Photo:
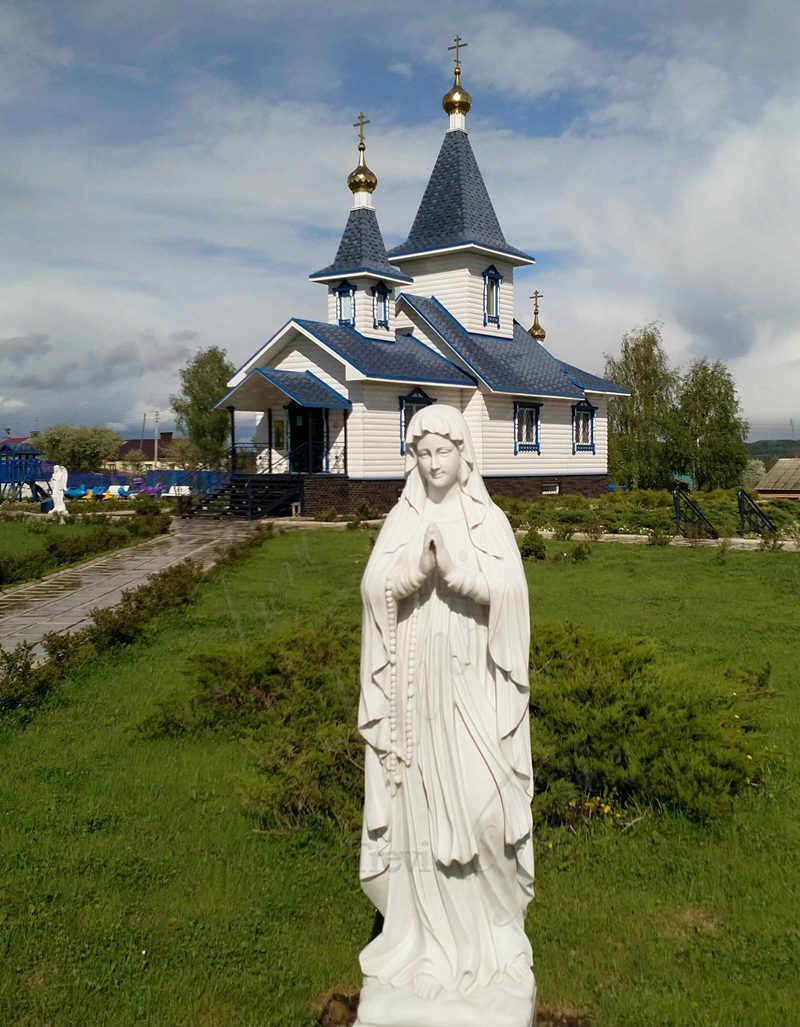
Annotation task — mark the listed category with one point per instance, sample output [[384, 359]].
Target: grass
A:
[[133, 890], [16, 537]]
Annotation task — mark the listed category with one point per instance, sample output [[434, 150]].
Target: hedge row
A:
[[61, 550], [639, 512], [26, 682]]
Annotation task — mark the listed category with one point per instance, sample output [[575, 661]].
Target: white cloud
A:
[[668, 190], [11, 403]]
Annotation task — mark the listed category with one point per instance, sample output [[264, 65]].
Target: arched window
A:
[[380, 306], [491, 295], [345, 304]]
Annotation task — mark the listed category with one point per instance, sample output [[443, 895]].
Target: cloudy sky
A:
[[170, 173]]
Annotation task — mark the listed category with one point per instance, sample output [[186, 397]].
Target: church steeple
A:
[[361, 280]]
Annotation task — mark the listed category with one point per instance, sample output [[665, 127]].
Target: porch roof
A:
[[303, 387]]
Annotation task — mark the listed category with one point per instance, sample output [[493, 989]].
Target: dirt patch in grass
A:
[[690, 922]]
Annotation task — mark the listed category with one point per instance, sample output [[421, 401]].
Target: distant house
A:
[[431, 321], [782, 480], [148, 447]]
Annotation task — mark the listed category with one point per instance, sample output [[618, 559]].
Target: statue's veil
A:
[[475, 501]]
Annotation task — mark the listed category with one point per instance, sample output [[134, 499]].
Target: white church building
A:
[[431, 321]]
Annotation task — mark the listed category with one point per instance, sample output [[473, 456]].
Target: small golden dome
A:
[[362, 180], [536, 329], [458, 100]]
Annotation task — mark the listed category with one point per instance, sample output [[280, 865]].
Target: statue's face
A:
[[438, 460]]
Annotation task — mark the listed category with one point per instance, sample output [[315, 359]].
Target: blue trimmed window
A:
[[415, 400], [583, 427], [491, 296], [345, 294], [380, 306], [526, 428]]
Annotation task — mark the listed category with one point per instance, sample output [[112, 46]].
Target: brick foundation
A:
[[321, 492]]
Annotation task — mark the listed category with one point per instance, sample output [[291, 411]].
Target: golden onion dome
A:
[[536, 329], [458, 100], [362, 180]]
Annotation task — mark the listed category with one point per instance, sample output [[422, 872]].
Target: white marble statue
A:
[[58, 485], [446, 848]]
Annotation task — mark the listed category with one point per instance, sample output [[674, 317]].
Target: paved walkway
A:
[[64, 600]]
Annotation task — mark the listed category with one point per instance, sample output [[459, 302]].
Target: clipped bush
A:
[[297, 700], [532, 546], [365, 511], [328, 514], [612, 717], [581, 552]]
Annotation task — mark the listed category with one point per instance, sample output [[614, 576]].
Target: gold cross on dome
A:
[[362, 121], [536, 297], [458, 47]]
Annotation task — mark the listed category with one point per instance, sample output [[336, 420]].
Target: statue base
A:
[[500, 1005]]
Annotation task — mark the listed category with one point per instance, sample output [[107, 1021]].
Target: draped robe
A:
[[446, 845]]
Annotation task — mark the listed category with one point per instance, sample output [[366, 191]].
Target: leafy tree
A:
[[82, 448], [135, 457], [753, 473], [709, 434], [183, 452], [203, 382], [639, 426]]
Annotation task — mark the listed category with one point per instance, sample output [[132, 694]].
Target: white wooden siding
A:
[[456, 280], [301, 354], [556, 455], [364, 310], [376, 423]]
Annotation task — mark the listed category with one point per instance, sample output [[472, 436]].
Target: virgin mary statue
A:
[[446, 848]]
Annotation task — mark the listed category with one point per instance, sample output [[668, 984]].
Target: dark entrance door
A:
[[306, 439]]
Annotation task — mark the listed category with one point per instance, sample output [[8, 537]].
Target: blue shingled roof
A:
[[519, 364], [403, 357], [592, 382], [305, 388], [455, 208], [361, 250]]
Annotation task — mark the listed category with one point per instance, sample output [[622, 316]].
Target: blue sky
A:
[[171, 173]]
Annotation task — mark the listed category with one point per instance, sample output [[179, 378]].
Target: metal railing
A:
[[307, 458], [690, 521], [752, 518]]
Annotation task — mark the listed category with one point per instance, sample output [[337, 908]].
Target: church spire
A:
[[458, 101], [362, 182]]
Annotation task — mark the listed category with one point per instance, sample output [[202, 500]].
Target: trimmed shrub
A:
[[612, 717], [532, 546]]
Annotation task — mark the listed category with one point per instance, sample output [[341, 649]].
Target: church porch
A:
[[301, 425]]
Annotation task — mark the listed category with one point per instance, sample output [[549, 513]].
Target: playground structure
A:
[[23, 472]]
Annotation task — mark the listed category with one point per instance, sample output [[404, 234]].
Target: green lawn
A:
[[134, 891], [16, 537]]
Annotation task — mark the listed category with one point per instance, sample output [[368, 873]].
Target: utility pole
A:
[[141, 436], [155, 442]]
